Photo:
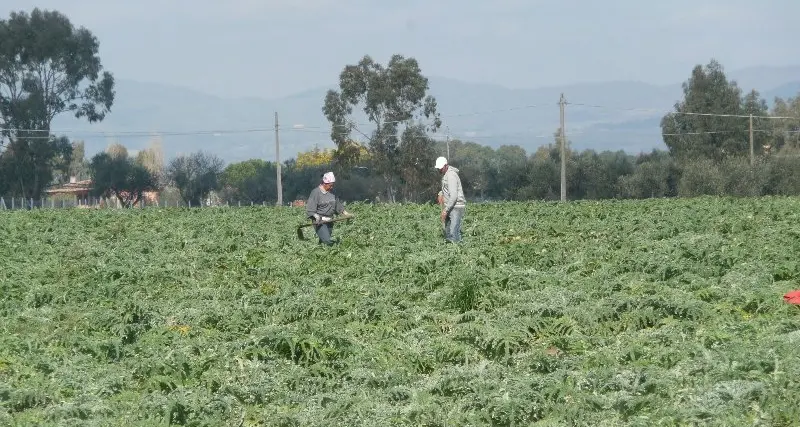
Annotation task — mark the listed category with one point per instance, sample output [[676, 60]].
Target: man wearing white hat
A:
[[454, 204], [322, 204]]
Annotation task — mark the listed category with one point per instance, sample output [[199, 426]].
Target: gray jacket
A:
[[323, 204], [451, 190]]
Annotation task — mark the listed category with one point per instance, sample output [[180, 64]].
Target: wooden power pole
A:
[[751, 140], [447, 133], [278, 161], [563, 152]]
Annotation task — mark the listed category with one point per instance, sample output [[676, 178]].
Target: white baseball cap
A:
[[328, 178], [440, 162]]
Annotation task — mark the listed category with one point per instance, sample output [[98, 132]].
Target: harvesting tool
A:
[[301, 226]]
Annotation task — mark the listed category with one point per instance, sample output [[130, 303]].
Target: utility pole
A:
[[561, 103], [447, 138], [751, 140], [278, 161]]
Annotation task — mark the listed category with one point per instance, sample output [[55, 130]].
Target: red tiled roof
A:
[[70, 187]]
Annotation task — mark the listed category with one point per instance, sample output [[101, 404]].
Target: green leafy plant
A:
[[604, 313]]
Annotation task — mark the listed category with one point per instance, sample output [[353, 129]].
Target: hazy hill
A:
[[783, 91], [614, 115]]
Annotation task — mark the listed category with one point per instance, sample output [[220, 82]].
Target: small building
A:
[[79, 189]]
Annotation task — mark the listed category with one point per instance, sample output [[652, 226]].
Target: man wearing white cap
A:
[[322, 204], [453, 202]]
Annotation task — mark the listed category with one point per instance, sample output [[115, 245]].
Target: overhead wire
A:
[[685, 113], [154, 133], [351, 124], [477, 133]]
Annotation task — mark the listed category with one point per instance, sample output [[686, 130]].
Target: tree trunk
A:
[[35, 188], [119, 197], [21, 187], [390, 196]]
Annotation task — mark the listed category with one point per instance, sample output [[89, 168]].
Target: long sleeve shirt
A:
[[323, 203], [452, 193]]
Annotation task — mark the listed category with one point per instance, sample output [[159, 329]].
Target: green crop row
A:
[[657, 312]]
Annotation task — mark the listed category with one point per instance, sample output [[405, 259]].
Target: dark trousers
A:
[[324, 232]]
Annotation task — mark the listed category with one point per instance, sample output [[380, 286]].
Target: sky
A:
[[274, 48]]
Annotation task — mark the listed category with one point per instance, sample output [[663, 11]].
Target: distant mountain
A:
[[764, 78], [613, 115], [784, 91]]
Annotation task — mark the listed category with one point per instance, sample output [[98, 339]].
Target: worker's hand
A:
[[345, 213], [444, 215], [316, 217], [326, 218]]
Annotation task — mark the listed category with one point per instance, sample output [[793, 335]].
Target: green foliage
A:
[[50, 67], [47, 67], [745, 180], [298, 181], [476, 163], [785, 132], [28, 165], [701, 177], [665, 312], [510, 171], [415, 162], [655, 175], [152, 158], [391, 95], [708, 91], [195, 175], [78, 166], [315, 158], [250, 181], [121, 176], [784, 175]]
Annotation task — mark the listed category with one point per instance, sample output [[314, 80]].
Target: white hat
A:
[[440, 162], [328, 178]]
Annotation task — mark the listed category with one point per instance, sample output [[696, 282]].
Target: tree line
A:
[[60, 72]]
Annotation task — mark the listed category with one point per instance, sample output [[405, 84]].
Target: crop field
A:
[[657, 312]]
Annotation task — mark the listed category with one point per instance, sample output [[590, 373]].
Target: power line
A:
[[352, 124], [654, 131], [526, 133], [474, 113], [686, 113], [145, 133], [200, 132]]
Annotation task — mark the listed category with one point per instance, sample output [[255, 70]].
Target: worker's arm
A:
[[452, 191], [311, 205]]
